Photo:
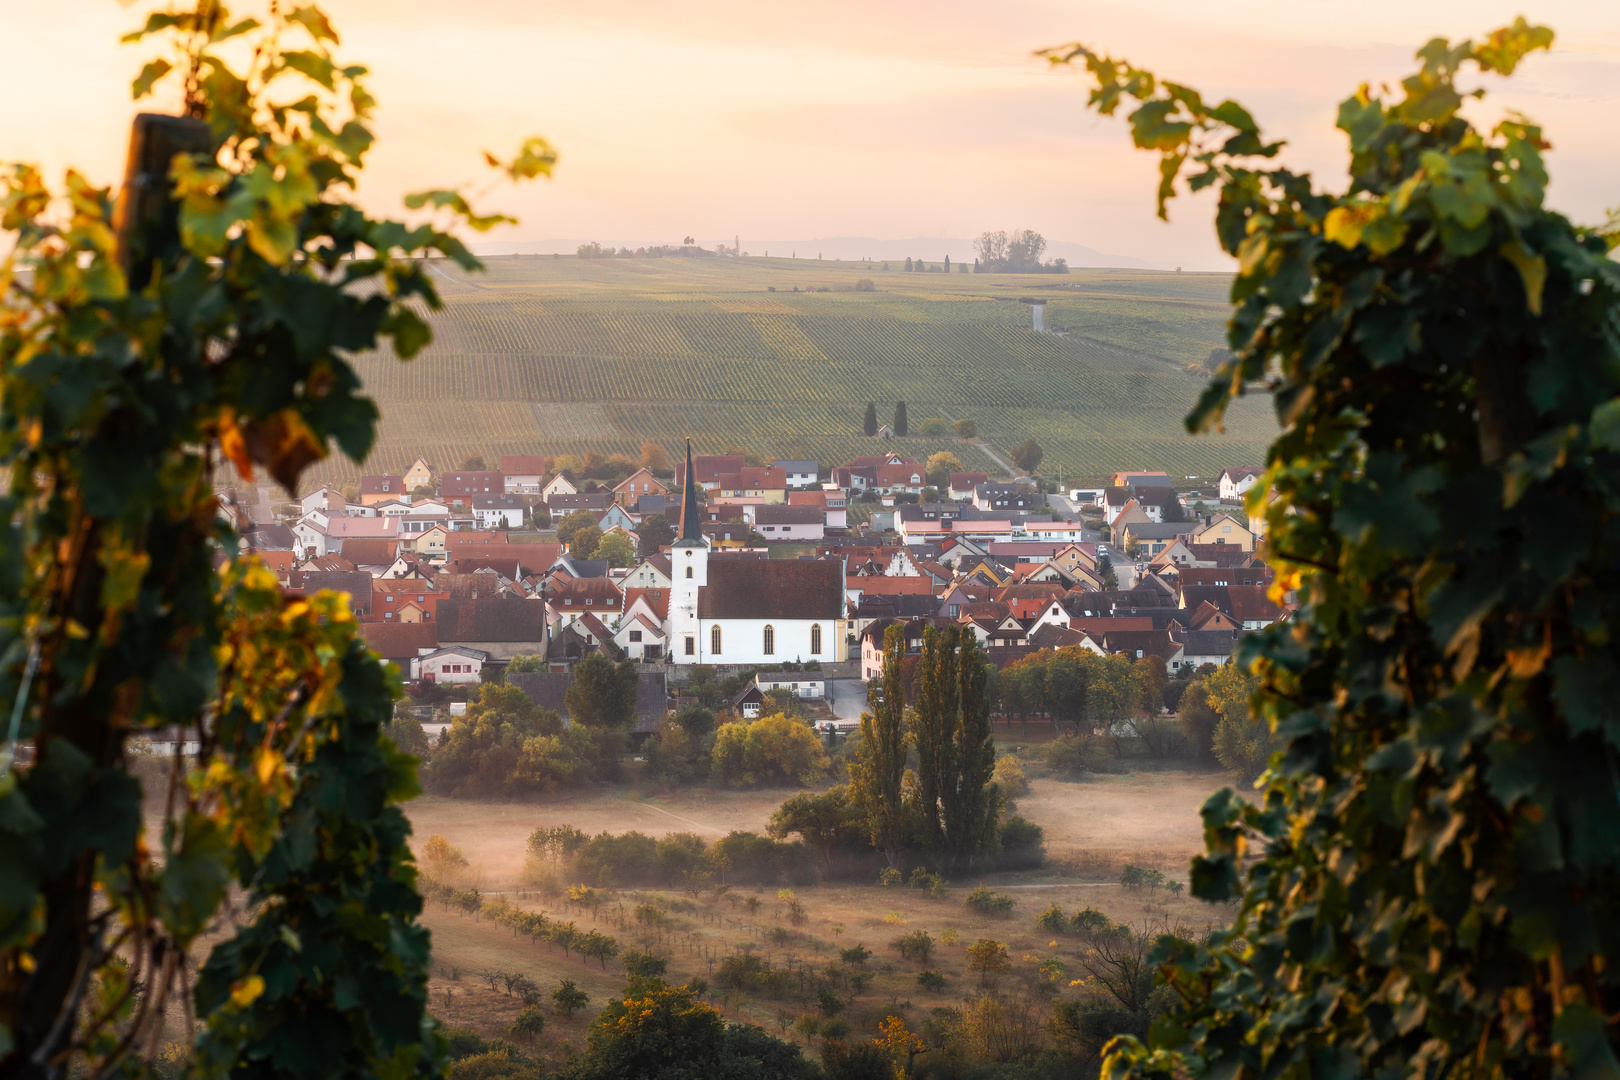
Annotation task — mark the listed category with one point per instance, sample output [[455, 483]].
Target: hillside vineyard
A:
[[566, 355]]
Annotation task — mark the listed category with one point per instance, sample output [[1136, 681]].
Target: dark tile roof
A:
[[383, 484], [788, 515], [1148, 642], [1209, 642], [502, 619], [1250, 602], [1219, 596], [357, 583], [549, 690], [463, 484], [602, 593], [596, 500], [400, 642], [271, 537], [369, 551], [498, 502], [523, 465], [773, 590]]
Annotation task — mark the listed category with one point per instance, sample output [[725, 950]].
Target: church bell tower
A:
[[689, 571]]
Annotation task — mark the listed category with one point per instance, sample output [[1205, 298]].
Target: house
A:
[[1146, 539], [318, 535], [962, 485], [1223, 530], [1005, 497], [639, 483], [281, 563], [571, 598], [429, 508], [504, 627], [522, 474], [640, 637], [748, 611], [801, 473], [456, 664], [498, 511], [1136, 644], [748, 702], [403, 600], [616, 517], [820, 500], [381, 488], [802, 684], [650, 573], [394, 507], [371, 554], [355, 584], [419, 475], [458, 488], [1236, 480], [562, 504], [1200, 647], [431, 542], [1140, 479], [751, 484], [786, 522], [401, 643], [558, 485], [325, 500], [708, 469]]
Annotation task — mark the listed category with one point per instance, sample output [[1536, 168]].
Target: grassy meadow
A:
[[553, 355]]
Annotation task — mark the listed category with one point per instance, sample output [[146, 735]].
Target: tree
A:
[[931, 427], [989, 958], [908, 264], [966, 429], [991, 248], [572, 523], [616, 550], [656, 458], [1027, 455], [207, 328], [602, 694], [1024, 250], [583, 541], [525, 662], [1445, 690], [880, 763], [900, 418], [772, 749], [505, 745], [474, 464], [655, 1030], [869, 425], [569, 998], [529, 1025], [828, 822], [1105, 571], [654, 532], [940, 467]]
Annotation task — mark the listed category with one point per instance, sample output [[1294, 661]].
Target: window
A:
[[714, 639], [688, 571], [815, 641], [770, 641], [635, 635], [691, 645]]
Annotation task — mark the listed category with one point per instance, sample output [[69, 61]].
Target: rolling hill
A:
[[551, 355]]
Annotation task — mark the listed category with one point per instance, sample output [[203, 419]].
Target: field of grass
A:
[[1092, 828], [565, 355]]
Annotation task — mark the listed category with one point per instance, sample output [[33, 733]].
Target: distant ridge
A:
[[929, 249]]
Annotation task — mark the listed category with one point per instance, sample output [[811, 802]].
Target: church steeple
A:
[[691, 532]]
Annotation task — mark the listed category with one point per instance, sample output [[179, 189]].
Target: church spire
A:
[[690, 529]]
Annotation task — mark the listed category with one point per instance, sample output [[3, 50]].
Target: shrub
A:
[[1022, 843], [775, 749], [618, 860], [1009, 774], [986, 902], [569, 998], [855, 956], [529, 1025], [748, 857], [640, 965], [931, 980], [989, 958], [917, 945], [1052, 920]]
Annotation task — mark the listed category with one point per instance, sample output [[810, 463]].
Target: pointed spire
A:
[[690, 529]]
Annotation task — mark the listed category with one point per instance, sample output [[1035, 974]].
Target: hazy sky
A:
[[880, 118]]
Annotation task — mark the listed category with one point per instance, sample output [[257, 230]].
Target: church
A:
[[726, 610]]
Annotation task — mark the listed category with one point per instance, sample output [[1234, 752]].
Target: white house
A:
[[523, 473], [558, 485], [326, 500], [640, 637], [456, 664], [801, 684], [319, 535], [1236, 480], [616, 516], [498, 511], [801, 473], [786, 522]]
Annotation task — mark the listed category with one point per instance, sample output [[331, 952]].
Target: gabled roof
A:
[[498, 502], [773, 590], [368, 551], [470, 483], [523, 465], [1209, 642], [382, 484], [1239, 473], [601, 593], [1148, 642], [270, 537], [707, 468], [504, 619], [356, 583], [899, 585], [657, 600], [967, 481], [596, 500], [796, 465], [1250, 603], [398, 641], [787, 515]]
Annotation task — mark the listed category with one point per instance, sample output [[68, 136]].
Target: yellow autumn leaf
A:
[[245, 992]]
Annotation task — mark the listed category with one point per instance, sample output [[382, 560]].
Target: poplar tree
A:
[[973, 805], [933, 727], [880, 765]]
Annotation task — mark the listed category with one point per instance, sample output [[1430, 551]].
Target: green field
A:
[[543, 355]]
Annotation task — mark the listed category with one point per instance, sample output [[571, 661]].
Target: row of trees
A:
[[1018, 253]]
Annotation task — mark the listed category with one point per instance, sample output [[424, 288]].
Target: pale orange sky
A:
[[837, 118]]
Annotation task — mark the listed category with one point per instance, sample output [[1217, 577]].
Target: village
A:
[[792, 570]]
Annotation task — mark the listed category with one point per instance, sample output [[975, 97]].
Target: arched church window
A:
[[688, 571], [815, 639], [770, 641], [714, 639]]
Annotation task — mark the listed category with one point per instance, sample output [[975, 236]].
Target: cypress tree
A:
[[869, 425], [947, 264], [908, 262], [899, 418]]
